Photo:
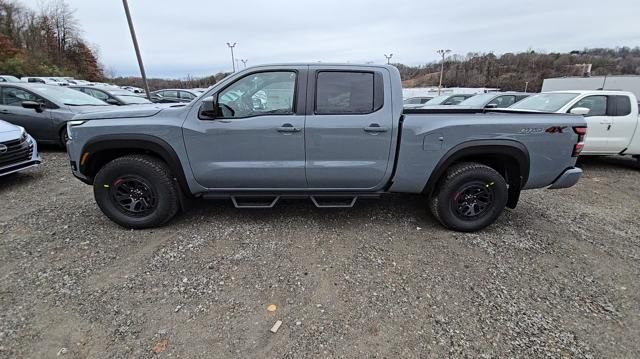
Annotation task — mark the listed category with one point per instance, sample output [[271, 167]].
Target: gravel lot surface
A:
[[557, 277]]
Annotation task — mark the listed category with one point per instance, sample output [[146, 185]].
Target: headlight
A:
[[72, 124]]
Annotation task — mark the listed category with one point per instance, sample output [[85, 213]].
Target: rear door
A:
[[623, 122], [598, 123], [348, 131], [38, 124]]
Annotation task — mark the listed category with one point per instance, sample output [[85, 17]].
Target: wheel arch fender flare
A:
[[139, 143], [479, 148]]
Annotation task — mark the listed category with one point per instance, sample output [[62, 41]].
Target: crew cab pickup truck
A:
[[331, 133], [612, 118]]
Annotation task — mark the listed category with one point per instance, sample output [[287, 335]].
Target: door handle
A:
[[5, 111], [288, 128], [375, 128]]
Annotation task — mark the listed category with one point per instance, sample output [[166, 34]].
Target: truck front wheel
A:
[[470, 197], [136, 191]]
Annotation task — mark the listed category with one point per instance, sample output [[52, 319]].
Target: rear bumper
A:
[[567, 179]]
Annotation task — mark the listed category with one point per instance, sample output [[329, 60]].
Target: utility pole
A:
[[388, 57], [244, 62], [526, 86], [233, 60], [137, 48], [442, 53]]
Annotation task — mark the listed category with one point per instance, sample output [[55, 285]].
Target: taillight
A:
[[581, 132]]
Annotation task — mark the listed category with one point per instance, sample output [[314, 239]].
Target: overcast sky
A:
[[184, 37]]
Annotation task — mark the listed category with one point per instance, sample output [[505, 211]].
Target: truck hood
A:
[[7, 127], [130, 111]]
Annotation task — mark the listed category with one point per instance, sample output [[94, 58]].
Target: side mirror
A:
[[580, 111], [491, 105], [208, 109], [112, 101], [39, 107]]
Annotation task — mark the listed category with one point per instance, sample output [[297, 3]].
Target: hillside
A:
[[46, 42], [510, 71]]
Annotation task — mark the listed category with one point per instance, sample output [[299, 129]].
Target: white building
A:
[[619, 82], [433, 91]]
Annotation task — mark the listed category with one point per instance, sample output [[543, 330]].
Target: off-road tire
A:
[[457, 178], [158, 178]]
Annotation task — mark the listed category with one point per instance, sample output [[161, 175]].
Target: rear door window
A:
[[504, 101], [187, 95], [344, 93], [619, 105]]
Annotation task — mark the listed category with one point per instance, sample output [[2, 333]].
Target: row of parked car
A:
[[112, 94], [612, 116], [486, 100]]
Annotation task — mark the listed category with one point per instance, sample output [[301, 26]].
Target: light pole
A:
[[233, 60], [526, 86], [136, 48], [244, 62], [388, 57], [442, 53]]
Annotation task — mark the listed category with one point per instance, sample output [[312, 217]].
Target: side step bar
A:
[[334, 201], [255, 201]]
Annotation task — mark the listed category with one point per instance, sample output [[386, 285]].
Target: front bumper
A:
[[567, 179], [33, 161]]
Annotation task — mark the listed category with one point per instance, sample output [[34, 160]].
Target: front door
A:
[[349, 129], [38, 124], [257, 139], [598, 123]]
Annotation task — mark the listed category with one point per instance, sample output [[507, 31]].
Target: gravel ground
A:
[[557, 277]]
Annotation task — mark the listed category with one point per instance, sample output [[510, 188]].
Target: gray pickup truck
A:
[[331, 133]]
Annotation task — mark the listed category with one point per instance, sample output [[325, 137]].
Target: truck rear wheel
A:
[[470, 197], [136, 191]]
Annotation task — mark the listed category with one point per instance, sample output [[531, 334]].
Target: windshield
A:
[[9, 79], [545, 102], [412, 101], [478, 100], [67, 96], [438, 100], [132, 99]]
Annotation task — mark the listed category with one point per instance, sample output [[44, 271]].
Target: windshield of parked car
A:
[[67, 96], [9, 79], [131, 99], [478, 100], [545, 102], [438, 100]]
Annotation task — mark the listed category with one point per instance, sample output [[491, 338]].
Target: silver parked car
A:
[[43, 110], [18, 150], [494, 100]]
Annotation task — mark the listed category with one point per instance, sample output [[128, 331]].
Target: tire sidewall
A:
[[447, 211], [104, 182]]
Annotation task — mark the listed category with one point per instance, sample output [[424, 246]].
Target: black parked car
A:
[[112, 95], [173, 95], [43, 110]]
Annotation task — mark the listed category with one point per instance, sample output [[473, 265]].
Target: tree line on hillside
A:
[[511, 71], [46, 42], [158, 83]]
